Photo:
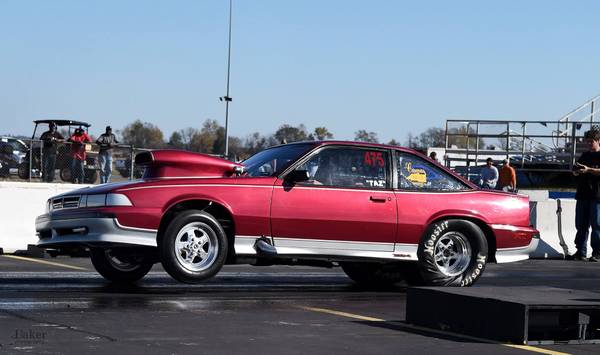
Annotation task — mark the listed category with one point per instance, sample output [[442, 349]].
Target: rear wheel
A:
[[120, 265], [372, 274], [452, 252], [91, 176], [193, 247], [23, 171], [66, 174]]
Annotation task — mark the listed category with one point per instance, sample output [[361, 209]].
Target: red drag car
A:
[[382, 213]]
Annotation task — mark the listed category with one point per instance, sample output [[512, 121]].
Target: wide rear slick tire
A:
[[452, 252], [120, 266], [193, 247]]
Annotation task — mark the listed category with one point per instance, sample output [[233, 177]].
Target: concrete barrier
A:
[[544, 218], [21, 203]]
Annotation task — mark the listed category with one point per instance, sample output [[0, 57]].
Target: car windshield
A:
[[274, 160]]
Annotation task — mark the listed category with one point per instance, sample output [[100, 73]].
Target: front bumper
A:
[[92, 229]]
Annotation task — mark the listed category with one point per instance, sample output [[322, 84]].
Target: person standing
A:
[[488, 175], [78, 140], [587, 208], [107, 142], [50, 140], [508, 177]]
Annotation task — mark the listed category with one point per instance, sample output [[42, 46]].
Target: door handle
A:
[[378, 198]]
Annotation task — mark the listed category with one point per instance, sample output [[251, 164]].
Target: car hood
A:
[[101, 189], [182, 164]]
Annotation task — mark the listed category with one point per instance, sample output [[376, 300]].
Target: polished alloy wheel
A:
[[195, 248], [452, 254]]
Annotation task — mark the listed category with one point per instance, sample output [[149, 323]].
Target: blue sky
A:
[[391, 67]]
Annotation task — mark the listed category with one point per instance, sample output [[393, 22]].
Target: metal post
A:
[[30, 157], [477, 144], [573, 145], [523, 147], [446, 158], [227, 98], [507, 139], [566, 128], [41, 161], [131, 164], [468, 165], [592, 115]]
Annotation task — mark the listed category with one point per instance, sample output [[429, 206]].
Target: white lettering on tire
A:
[[430, 243]]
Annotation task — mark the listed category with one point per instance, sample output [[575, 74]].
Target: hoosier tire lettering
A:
[[439, 228], [452, 252]]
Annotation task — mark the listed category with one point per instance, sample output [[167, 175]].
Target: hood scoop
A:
[[170, 163]]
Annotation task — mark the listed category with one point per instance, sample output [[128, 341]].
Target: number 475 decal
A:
[[374, 158]]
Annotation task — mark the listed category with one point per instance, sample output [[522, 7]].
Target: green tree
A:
[[288, 134], [320, 134], [204, 140], [143, 135], [364, 136], [176, 141]]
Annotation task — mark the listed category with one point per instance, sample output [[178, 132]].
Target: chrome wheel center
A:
[[452, 254], [195, 247]]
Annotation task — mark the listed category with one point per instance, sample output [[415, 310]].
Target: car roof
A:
[[64, 122], [353, 143], [13, 139]]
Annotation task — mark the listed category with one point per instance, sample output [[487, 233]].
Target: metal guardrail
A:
[[531, 145]]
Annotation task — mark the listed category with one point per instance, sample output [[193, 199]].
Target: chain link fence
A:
[[61, 161]]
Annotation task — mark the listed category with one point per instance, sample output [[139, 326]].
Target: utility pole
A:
[[227, 98]]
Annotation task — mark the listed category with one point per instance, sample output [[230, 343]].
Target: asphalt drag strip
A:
[[47, 308]]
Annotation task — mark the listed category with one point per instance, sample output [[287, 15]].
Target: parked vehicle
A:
[[63, 158], [12, 153], [123, 166], [383, 213]]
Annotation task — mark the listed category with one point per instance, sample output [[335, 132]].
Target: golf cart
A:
[[32, 163]]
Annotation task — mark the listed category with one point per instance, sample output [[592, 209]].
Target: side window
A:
[[415, 173], [348, 167]]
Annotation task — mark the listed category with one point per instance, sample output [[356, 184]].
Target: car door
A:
[[424, 191], [346, 207]]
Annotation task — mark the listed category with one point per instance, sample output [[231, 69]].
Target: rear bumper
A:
[[507, 255], [90, 230]]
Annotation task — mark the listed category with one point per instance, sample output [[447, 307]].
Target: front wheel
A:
[[452, 252], [120, 265], [193, 247]]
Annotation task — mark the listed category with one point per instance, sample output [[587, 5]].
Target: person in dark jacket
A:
[[107, 141], [50, 140], [587, 210]]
